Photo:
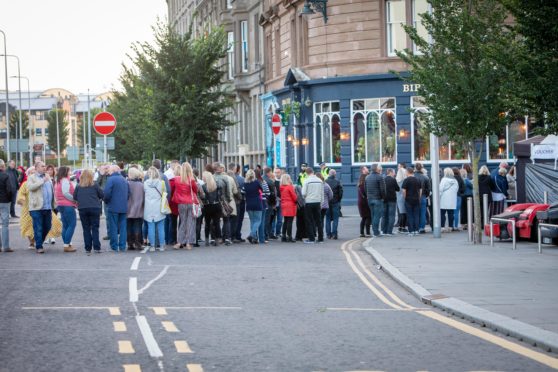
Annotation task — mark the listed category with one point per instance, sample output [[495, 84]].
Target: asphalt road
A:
[[278, 307]]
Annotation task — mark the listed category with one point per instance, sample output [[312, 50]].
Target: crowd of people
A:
[[407, 195]]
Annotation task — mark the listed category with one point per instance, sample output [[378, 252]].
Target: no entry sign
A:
[[276, 123], [104, 123]]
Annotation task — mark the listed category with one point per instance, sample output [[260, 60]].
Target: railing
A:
[[502, 220], [539, 233]]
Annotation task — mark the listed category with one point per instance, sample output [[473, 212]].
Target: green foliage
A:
[[63, 130], [14, 123], [173, 102]]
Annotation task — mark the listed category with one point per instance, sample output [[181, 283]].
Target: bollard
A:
[[470, 218], [545, 197], [485, 208]]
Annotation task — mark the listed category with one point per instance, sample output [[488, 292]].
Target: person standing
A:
[[511, 185], [278, 216], [363, 209], [448, 197], [134, 215], [7, 190], [375, 193], [116, 195], [288, 208], [460, 193], [185, 195], [174, 208], [89, 196], [390, 203], [41, 204], [153, 188], [313, 194], [265, 205], [252, 191], [302, 175], [64, 196], [324, 170], [332, 217], [401, 211], [102, 178], [486, 187], [14, 181], [467, 194], [229, 189], [500, 193], [269, 179], [211, 196], [425, 193], [328, 195], [412, 193], [240, 204]]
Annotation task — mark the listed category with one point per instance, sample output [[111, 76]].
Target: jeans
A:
[[332, 219], [5, 221], [90, 220], [160, 227], [168, 233], [456, 213], [268, 217], [69, 220], [388, 219], [413, 212], [261, 229], [226, 230], [133, 230], [450, 217], [240, 209], [42, 222], [117, 231], [255, 221], [422, 212], [312, 213], [277, 222], [376, 210], [12, 204]]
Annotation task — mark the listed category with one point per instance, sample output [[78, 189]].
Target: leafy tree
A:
[[462, 84], [14, 123], [535, 62], [177, 84], [63, 130]]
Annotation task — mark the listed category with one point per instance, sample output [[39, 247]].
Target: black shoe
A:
[[283, 240], [249, 239], [362, 236], [334, 237], [272, 237], [106, 238], [14, 216], [196, 245]]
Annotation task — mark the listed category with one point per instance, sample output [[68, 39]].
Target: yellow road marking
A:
[[194, 367], [169, 326], [182, 347], [114, 310], [159, 310], [119, 326], [511, 346], [132, 368], [125, 347]]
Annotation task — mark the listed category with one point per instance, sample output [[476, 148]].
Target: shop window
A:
[[327, 133], [500, 146], [374, 130]]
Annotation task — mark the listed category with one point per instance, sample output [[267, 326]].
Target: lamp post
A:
[[29, 120], [20, 126], [90, 164], [57, 133], [7, 98]]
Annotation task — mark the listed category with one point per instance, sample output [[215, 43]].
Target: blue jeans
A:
[[117, 231], [376, 210], [277, 221], [160, 227], [267, 222], [450, 217], [69, 220], [168, 230], [456, 213], [261, 228], [422, 212], [42, 222], [332, 219], [240, 209], [5, 221], [255, 222], [413, 212], [388, 219], [90, 220]]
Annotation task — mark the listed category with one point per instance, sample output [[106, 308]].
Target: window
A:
[[46, 131], [38, 132], [374, 130], [229, 4], [39, 115], [244, 45], [420, 7], [327, 133], [420, 136], [500, 147], [230, 54], [395, 19]]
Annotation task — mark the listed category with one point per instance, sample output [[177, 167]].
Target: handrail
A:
[[502, 220], [539, 233]]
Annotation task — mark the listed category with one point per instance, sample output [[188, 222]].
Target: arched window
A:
[[327, 133], [318, 140], [359, 138], [336, 139], [373, 137], [327, 139], [388, 137]]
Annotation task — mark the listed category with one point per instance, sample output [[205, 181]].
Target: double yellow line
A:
[[392, 300]]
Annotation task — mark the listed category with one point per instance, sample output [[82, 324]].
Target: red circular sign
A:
[[276, 124], [104, 123]]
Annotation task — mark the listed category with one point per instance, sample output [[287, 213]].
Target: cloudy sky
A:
[[74, 44]]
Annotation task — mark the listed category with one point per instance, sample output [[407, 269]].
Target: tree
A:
[[63, 130], [535, 62], [174, 101], [462, 84], [14, 123]]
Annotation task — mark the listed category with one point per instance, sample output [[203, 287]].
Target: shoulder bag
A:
[[196, 207]]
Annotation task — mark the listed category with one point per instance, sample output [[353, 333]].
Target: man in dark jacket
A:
[[425, 187], [14, 180], [332, 215], [375, 193], [390, 203], [271, 203], [116, 194], [6, 191]]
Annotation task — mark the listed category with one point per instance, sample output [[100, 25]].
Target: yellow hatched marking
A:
[[125, 347], [194, 367], [169, 326], [132, 368], [119, 326], [114, 310], [159, 310], [182, 347]]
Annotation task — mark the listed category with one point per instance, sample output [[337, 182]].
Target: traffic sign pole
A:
[[105, 150], [276, 127]]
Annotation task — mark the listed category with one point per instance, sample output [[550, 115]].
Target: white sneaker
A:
[[151, 249], [160, 249]]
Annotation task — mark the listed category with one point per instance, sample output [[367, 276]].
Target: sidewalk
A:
[[504, 286]]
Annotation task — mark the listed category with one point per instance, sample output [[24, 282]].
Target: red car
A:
[[524, 214]]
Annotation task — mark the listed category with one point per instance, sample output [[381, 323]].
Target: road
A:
[[277, 307]]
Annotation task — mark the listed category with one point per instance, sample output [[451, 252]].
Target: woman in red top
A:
[[185, 195], [174, 207], [288, 207]]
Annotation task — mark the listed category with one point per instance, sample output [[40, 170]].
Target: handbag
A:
[[165, 208], [196, 207], [225, 208]]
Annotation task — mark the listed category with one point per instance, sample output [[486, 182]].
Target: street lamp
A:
[[7, 97], [57, 131], [20, 126], [28, 118]]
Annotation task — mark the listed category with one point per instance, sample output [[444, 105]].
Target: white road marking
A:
[[112, 310], [156, 309], [135, 264], [133, 289], [145, 329], [161, 274]]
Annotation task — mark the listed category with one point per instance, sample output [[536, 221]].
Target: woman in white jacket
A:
[[153, 188], [448, 197]]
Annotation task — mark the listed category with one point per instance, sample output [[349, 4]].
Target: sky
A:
[[74, 44]]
